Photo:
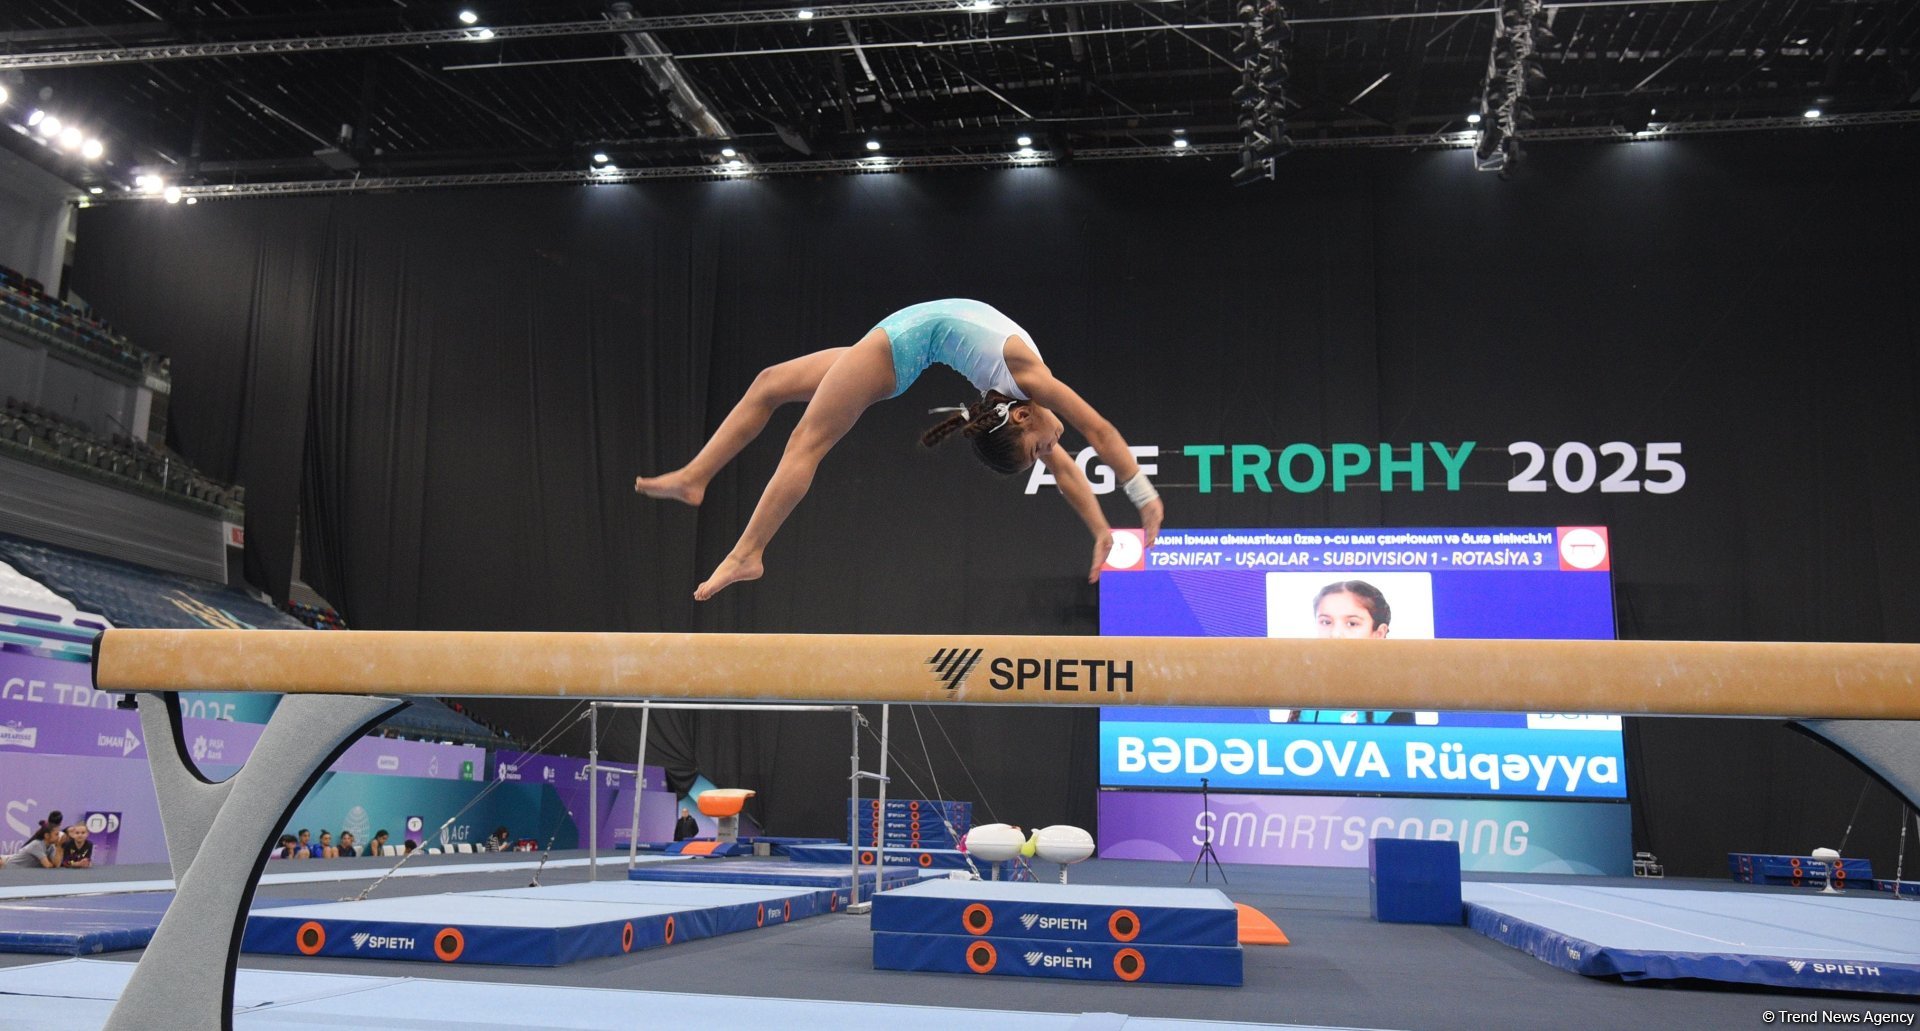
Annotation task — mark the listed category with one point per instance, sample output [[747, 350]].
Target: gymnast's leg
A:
[[789, 381], [858, 378]]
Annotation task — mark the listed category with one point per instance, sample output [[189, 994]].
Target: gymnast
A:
[[1016, 422]]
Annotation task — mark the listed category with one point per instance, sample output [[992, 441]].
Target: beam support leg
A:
[[1888, 749], [218, 837]]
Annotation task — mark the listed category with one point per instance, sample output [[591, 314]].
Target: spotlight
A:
[[172, 194], [981, 5], [193, 200], [34, 118], [1473, 119], [70, 137], [1179, 143], [1812, 113], [599, 157], [875, 144], [3, 94], [804, 15], [49, 126], [92, 149], [1803, 41], [485, 33], [727, 152], [1024, 140], [149, 183], [95, 190], [1026, 152], [736, 164], [468, 17]]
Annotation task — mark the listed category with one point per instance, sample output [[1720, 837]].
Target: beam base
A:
[[218, 837], [1887, 749]]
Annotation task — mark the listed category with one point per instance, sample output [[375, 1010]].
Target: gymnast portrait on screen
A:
[[1018, 420], [1355, 610]]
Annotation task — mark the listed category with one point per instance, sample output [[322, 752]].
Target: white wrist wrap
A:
[[1140, 490]]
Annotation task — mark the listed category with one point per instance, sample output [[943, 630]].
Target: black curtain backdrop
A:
[[457, 389]]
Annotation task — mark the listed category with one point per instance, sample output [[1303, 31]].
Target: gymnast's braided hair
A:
[[988, 422]]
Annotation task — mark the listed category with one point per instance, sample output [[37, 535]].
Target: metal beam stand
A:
[[218, 837], [1888, 749]]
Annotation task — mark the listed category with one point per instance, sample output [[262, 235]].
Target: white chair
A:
[[431, 851], [463, 848]]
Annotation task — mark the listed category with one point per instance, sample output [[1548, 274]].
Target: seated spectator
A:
[[408, 848], [77, 854], [346, 845], [496, 843], [288, 848], [306, 843], [378, 846], [325, 849], [43, 852]]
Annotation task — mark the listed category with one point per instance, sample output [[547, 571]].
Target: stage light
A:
[[172, 194], [193, 200], [599, 157], [1024, 140], [873, 144], [95, 190], [735, 165], [1473, 119], [49, 126], [468, 17], [1812, 112], [981, 5], [804, 14], [1026, 152], [485, 33], [92, 149], [3, 94], [35, 118], [70, 137], [727, 152], [1801, 42], [1179, 143]]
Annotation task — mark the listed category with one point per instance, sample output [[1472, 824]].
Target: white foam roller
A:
[[994, 842], [1063, 844]]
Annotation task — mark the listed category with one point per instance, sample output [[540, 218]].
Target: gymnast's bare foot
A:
[[673, 486], [731, 570]]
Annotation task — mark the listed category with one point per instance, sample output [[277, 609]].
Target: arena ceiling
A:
[[250, 96]]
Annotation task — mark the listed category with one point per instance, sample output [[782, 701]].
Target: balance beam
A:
[[1675, 678]]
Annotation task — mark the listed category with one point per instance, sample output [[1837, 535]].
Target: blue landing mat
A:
[[1077, 960], [1062, 912], [924, 858], [1832, 943], [543, 927], [90, 924], [775, 872], [75, 995]]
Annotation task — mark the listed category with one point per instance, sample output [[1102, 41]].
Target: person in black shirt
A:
[[79, 851], [346, 845], [686, 827]]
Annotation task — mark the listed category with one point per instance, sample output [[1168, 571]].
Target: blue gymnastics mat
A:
[[775, 872], [1062, 912], [1076, 960], [87, 925], [1824, 942], [924, 858], [543, 927], [76, 995]]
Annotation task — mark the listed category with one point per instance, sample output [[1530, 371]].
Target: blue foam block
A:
[[774, 872], [1413, 882], [1062, 912], [1081, 961], [924, 858], [90, 924], [541, 927]]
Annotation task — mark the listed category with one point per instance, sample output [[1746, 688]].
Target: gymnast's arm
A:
[[1079, 496], [1037, 380]]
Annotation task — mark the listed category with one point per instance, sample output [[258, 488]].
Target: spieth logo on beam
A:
[[951, 666]]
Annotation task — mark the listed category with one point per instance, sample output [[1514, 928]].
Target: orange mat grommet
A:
[[310, 938], [977, 919], [449, 944], [1124, 925], [1129, 965], [981, 957], [626, 937], [669, 930]]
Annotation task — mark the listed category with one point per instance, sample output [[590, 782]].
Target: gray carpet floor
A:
[[1342, 969]]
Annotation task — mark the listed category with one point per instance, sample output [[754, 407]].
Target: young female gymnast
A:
[[1016, 422]]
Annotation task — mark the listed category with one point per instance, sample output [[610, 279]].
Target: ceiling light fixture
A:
[[172, 194], [468, 17], [92, 149], [873, 144]]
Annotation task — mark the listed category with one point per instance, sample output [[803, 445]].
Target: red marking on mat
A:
[[449, 944], [310, 938], [926, 859], [786, 911], [626, 937], [1124, 925], [699, 848], [760, 916], [669, 930], [1257, 928], [977, 919], [981, 956], [1129, 964]]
